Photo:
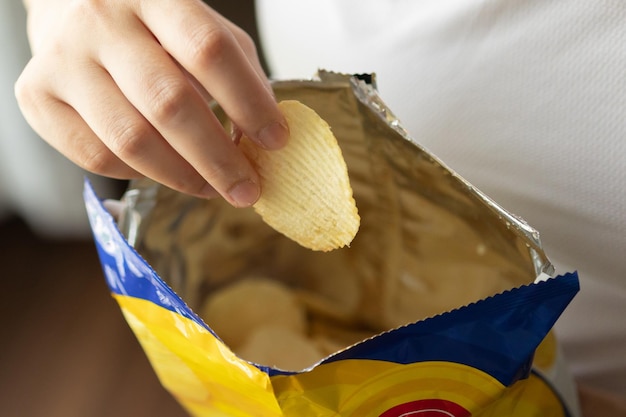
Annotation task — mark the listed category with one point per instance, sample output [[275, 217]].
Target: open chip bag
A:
[[442, 305]]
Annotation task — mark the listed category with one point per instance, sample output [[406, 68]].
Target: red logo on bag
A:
[[427, 408]]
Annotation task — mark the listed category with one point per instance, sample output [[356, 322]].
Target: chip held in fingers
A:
[[305, 189]]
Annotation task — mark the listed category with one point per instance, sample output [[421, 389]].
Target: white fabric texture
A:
[[525, 99], [36, 182]]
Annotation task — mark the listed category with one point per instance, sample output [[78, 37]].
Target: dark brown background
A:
[[65, 349]]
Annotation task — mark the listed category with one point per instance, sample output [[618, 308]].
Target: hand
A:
[[122, 88]]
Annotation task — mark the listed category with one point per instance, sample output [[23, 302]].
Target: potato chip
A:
[[306, 193], [279, 347], [239, 309]]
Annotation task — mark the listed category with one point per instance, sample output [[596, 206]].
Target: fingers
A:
[[249, 48], [126, 133], [108, 137], [216, 55], [183, 122], [65, 130], [123, 89]]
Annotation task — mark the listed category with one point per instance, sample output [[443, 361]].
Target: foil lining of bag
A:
[[429, 241]]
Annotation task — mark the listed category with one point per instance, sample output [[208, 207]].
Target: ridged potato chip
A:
[[239, 309], [281, 348], [306, 193]]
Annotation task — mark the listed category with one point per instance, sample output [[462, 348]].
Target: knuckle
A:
[[22, 91], [166, 97], [191, 183], [98, 160], [26, 94], [128, 140], [92, 11], [86, 6], [209, 44], [33, 99], [219, 170], [96, 17], [226, 172], [246, 42]]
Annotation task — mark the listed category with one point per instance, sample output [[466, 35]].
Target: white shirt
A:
[[525, 99]]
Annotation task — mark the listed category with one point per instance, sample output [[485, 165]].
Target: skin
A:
[[122, 88]]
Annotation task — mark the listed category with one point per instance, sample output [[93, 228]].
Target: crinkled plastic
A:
[[490, 356]]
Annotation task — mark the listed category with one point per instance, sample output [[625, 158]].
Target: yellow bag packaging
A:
[[442, 306]]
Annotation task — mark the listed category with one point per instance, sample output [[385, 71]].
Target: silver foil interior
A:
[[429, 241]]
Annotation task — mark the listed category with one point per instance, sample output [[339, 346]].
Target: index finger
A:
[[200, 40]]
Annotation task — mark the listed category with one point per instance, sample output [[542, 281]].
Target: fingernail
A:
[[274, 135], [244, 193]]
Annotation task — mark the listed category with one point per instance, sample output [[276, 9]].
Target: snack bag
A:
[[441, 305]]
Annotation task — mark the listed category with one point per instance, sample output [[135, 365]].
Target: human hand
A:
[[122, 88]]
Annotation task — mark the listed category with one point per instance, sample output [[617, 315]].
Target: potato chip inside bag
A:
[[441, 305]]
